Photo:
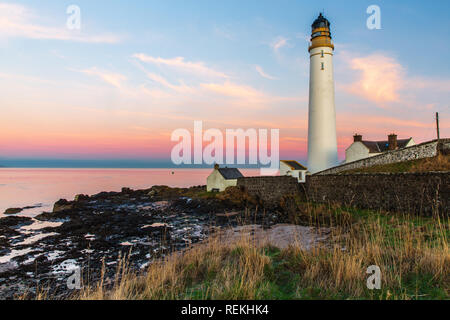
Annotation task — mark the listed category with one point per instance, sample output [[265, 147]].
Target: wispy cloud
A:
[[17, 21], [234, 90], [179, 63], [115, 79], [26, 78], [261, 72], [182, 88], [380, 122], [279, 43], [121, 83], [163, 91]]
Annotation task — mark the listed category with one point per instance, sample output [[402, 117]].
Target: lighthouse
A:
[[322, 141]]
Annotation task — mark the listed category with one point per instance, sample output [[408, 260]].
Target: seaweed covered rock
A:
[[62, 205], [13, 210], [81, 197]]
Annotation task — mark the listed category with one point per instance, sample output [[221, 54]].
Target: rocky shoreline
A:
[[90, 232]]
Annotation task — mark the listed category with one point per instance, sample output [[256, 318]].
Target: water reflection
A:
[[26, 187]]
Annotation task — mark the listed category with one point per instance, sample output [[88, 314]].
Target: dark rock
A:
[[13, 210], [127, 191], [104, 195], [13, 221], [81, 197], [125, 224], [62, 205], [32, 207]]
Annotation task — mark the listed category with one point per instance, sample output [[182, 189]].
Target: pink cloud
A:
[[380, 78], [181, 64], [114, 79], [234, 90]]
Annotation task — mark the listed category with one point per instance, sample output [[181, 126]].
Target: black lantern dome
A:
[[321, 22], [321, 33]]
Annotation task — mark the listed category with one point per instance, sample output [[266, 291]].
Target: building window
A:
[[321, 54], [323, 66]]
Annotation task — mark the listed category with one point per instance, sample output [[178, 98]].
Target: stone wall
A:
[[269, 189], [420, 151], [415, 193], [444, 146]]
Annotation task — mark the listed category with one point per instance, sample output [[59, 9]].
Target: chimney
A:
[[357, 138], [216, 167], [392, 140]]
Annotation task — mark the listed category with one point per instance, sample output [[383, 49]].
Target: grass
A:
[[412, 253], [438, 163]]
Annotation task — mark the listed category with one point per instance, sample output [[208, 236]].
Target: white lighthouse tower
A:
[[322, 141]]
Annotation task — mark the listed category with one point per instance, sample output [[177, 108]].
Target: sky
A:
[[135, 71]]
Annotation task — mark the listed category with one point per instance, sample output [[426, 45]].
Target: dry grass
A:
[[213, 270], [412, 253], [438, 163], [402, 250]]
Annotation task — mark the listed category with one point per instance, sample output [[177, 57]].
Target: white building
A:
[[322, 140], [361, 149], [294, 169], [222, 178]]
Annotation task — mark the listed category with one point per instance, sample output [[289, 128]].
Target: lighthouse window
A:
[[323, 66], [321, 53]]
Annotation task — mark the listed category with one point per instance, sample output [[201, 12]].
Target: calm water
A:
[[27, 187]]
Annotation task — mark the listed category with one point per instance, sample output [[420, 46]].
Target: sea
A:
[[41, 188]]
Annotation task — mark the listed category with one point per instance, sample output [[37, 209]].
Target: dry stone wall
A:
[[415, 193], [270, 189], [420, 151]]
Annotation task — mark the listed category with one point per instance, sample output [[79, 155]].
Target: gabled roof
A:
[[230, 173], [294, 165], [382, 146]]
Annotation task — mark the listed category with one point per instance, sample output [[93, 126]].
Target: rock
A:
[[13, 210], [127, 190], [93, 229], [104, 195], [15, 221], [81, 197], [39, 205], [62, 205], [7, 229]]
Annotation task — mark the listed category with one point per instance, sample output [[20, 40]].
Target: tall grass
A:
[[212, 270], [412, 253], [437, 163]]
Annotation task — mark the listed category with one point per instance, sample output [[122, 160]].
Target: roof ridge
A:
[[230, 173], [301, 167]]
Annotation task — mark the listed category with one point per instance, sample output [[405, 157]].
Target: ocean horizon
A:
[[42, 187], [104, 164]]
